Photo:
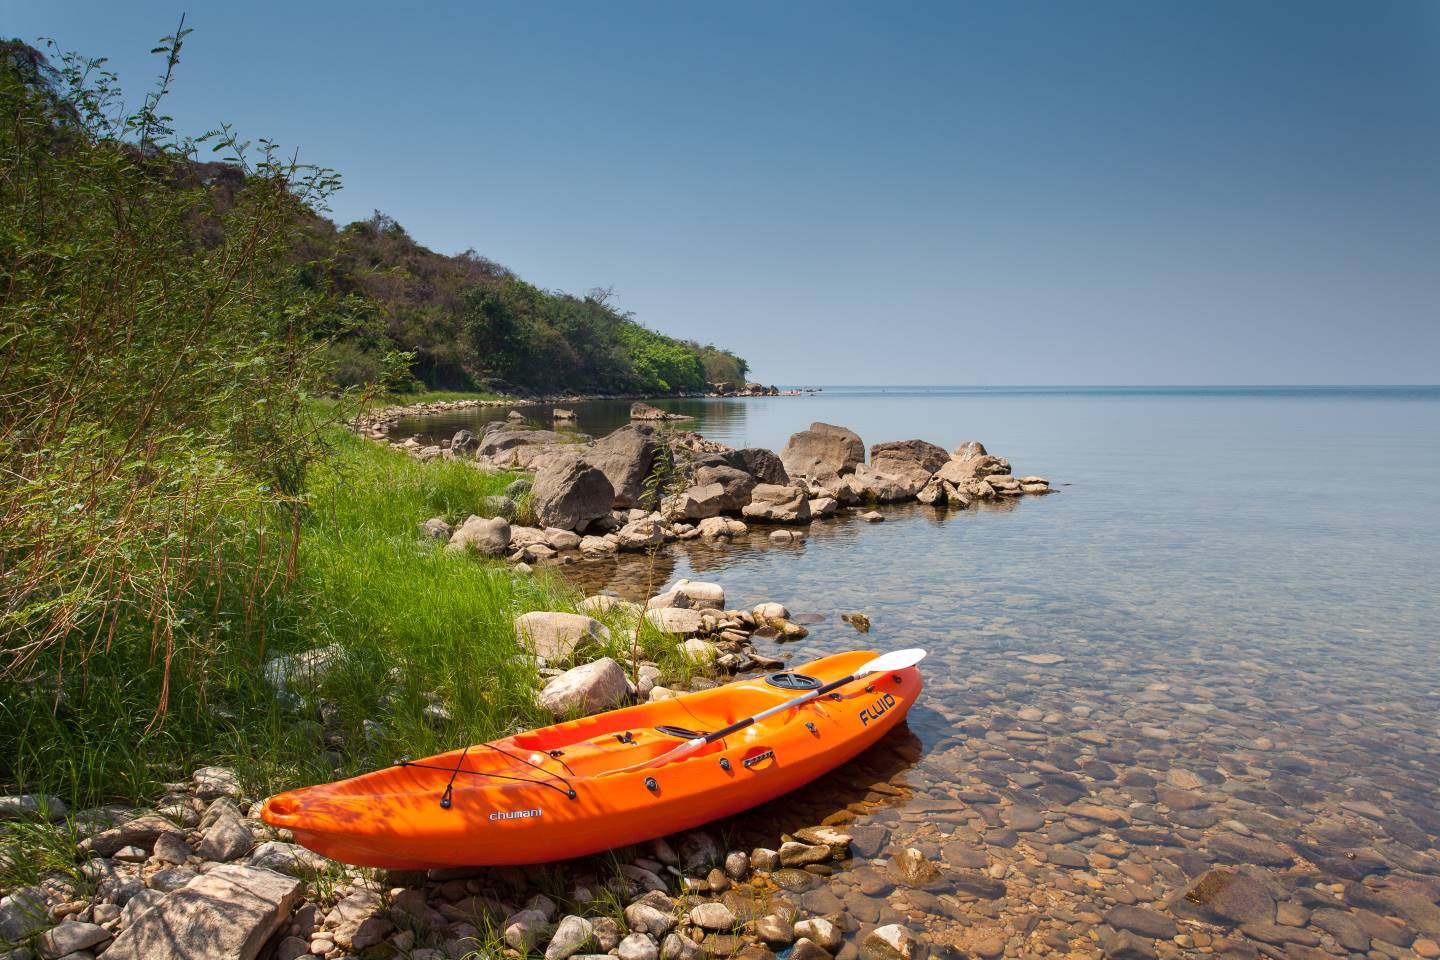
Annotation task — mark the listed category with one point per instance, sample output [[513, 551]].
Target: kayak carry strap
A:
[[446, 798]]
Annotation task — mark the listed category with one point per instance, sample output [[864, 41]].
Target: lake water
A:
[[1243, 586]]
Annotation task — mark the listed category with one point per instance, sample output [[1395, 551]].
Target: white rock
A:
[[699, 651], [595, 686], [770, 611], [676, 620], [702, 594], [212, 782]]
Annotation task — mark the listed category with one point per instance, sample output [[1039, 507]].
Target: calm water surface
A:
[[1242, 584]]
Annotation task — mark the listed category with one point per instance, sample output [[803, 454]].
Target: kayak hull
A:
[[599, 782]]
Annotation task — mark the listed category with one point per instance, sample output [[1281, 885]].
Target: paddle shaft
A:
[[805, 697]]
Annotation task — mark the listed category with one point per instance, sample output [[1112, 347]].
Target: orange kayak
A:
[[603, 781]]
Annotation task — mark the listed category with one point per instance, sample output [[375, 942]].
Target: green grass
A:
[[418, 624]]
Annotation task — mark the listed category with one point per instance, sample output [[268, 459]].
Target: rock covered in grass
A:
[[556, 636], [590, 688], [436, 529], [295, 671]]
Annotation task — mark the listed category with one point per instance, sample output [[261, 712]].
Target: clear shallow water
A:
[[1243, 586]]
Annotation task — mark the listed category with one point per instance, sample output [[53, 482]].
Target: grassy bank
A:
[[419, 626]]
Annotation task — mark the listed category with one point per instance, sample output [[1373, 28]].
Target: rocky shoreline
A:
[[374, 423], [590, 497]]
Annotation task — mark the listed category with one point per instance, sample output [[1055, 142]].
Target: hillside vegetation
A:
[[178, 504], [467, 323]]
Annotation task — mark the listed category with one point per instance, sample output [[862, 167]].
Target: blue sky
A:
[[969, 193]]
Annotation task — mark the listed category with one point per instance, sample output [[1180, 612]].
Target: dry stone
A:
[[225, 914], [823, 450], [586, 689], [570, 494], [556, 636]]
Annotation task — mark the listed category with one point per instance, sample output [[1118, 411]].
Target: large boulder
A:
[[823, 450], [735, 485], [970, 461], [898, 470], [585, 689], [556, 636], [229, 911], [569, 494], [698, 502], [897, 453], [761, 464], [626, 457], [502, 444], [778, 504], [488, 536]]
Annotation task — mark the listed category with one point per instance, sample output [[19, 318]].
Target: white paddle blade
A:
[[894, 660]]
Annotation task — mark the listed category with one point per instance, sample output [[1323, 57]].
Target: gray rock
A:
[[300, 671], [764, 859], [171, 848], [807, 949], [1122, 945], [229, 912], [71, 936], [735, 484], [171, 879], [644, 918], [557, 636], [437, 528], [570, 937], [1147, 923], [698, 852], [526, 929], [712, 916], [139, 832], [518, 488], [676, 620], [822, 451], [486, 536], [213, 782], [23, 913], [570, 493], [32, 806], [680, 947], [774, 930], [592, 687], [626, 457], [143, 900], [288, 858], [737, 865], [1233, 897], [820, 931], [464, 443], [641, 534], [638, 946], [778, 504], [761, 464], [227, 839]]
